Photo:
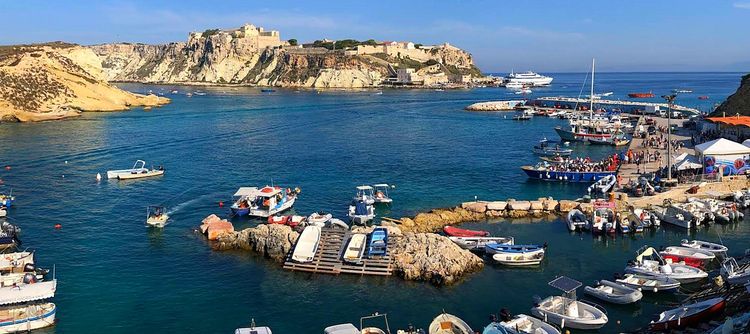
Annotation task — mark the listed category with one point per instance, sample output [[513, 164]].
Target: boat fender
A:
[[221, 204], [58, 226]]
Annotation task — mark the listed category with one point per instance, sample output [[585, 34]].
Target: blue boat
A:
[[377, 242], [541, 173], [7, 200], [267, 90], [516, 249]]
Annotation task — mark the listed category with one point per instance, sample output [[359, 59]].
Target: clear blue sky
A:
[[547, 36]]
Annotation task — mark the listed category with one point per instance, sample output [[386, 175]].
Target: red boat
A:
[[689, 315], [704, 97], [641, 95], [693, 262], [291, 221], [459, 232]]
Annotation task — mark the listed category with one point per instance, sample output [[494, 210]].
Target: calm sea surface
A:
[[117, 276]]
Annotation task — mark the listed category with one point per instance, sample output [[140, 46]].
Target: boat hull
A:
[[694, 319], [37, 320], [567, 135], [559, 176]]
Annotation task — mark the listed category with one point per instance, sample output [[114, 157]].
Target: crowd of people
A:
[[586, 165]]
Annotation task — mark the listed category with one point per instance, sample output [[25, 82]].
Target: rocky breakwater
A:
[[270, 240], [495, 106], [436, 219], [58, 80]]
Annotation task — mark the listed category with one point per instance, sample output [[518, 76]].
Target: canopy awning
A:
[[27, 292], [688, 162], [721, 146], [246, 191]]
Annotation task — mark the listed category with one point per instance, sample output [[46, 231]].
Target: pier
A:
[[330, 250], [603, 102]]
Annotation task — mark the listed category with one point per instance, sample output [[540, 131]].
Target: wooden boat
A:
[[459, 232], [377, 242], [613, 292], [138, 171], [650, 263], [516, 255], [449, 324], [689, 315], [319, 218], [307, 245], [733, 273], [26, 317], [705, 245], [566, 311], [523, 324], [381, 193], [690, 256], [290, 220], [641, 95], [156, 216], [576, 220], [649, 283], [355, 248], [479, 243]]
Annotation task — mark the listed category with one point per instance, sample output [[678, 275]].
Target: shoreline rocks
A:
[[494, 105], [433, 258], [270, 240]]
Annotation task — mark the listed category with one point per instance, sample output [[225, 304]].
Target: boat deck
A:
[[328, 257]]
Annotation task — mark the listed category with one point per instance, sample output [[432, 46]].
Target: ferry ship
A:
[[528, 79]]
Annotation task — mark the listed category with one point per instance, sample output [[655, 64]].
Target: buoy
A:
[[221, 204], [66, 162], [58, 226], [98, 177], [7, 167]]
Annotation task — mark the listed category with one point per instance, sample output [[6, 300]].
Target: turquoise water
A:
[[118, 276]]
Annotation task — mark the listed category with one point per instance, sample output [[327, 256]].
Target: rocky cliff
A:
[[739, 102], [224, 58], [58, 80]]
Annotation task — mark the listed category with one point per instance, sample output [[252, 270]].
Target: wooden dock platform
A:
[[328, 258], [603, 102]]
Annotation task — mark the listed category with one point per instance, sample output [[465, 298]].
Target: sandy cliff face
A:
[[739, 102], [54, 81], [223, 59]]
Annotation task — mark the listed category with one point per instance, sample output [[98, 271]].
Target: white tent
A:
[[688, 162], [721, 146]]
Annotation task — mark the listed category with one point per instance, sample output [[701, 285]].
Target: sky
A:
[[544, 36]]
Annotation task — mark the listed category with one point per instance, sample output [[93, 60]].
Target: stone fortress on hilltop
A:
[[250, 35]]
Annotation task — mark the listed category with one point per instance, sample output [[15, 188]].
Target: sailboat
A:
[[580, 131]]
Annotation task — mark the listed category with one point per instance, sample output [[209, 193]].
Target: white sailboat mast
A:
[[591, 106]]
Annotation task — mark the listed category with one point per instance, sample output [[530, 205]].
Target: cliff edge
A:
[[58, 80], [739, 102]]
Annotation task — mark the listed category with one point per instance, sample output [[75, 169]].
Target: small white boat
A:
[[319, 218], [381, 193], [355, 248], [705, 245], [449, 324], [156, 216], [614, 292], [524, 324], [650, 263], [479, 243], [253, 329], [647, 218], [335, 222], [307, 245], [679, 253], [731, 272], [565, 311], [24, 318], [649, 283], [360, 212], [518, 255], [27, 292], [138, 171], [366, 194], [15, 262], [678, 216], [576, 220], [603, 185]]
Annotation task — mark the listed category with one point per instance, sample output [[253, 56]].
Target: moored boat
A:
[[156, 216], [649, 283], [360, 212], [516, 255], [263, 202], [689, 315], [641, 95], [307, 245], [459, 232], [566, 311], [545, 173], [615, 293], [603, 218], [138, 171], [603, 185], [648, 219], [650, 263], [704, 245], [366, 194], [449, 324], [522, 324], [546, 148], [355, 248], [577, 220], [733, 273], [381, 193], [479, 243], [290, 220], [690, 256], [319, 218], [377, 242]]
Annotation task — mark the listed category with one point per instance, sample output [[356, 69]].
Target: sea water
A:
[[118, 276]]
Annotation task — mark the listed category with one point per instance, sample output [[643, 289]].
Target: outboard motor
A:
[[505, 315], [29, 268], [29, 278]]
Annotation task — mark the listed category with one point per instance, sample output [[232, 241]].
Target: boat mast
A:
[[591, 106]]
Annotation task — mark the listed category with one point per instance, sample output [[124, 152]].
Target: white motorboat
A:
[[705, 245], [449, 324], [366, 194], [263, 202], [723, 212], [603, 185], [650, 263], [479, 243], [649, 283], [355, 248], [156, 216], [566, 311], [742, 198], [319, 218], [603, 218], [360, 212], [138, 171], [679, 252], [253, 329], [576, 220], [335, 222], [678, 216], [524, 324], [615, 293], [515, 85], [26, 317], [528, 78], [517, 255], [381, 193], [733, 273], [307, 245], [647, 218], [15, 262]]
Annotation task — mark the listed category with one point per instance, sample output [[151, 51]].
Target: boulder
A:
[[433, 258], [497, 205], [567, 206], [271, 240], [550, 205], [536, 205], [519, 205], [213, 227], [586, 208], [517, 213], [478, 207]]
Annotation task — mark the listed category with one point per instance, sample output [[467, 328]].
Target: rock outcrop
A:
[[271, 240], [57, 80], [433, 258], [224, 57], [739, 102]]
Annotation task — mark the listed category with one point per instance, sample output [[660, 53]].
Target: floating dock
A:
[[603, 102], [330, 251]]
